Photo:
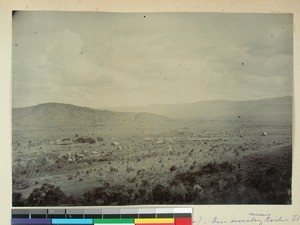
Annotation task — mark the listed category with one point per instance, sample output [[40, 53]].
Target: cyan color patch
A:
[[72, 221]]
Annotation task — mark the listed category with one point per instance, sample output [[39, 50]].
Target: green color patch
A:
[[113, 221]]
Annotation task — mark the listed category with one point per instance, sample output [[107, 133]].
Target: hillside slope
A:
[[58, 114]]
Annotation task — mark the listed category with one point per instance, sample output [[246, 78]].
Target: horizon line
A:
[[153, 104]]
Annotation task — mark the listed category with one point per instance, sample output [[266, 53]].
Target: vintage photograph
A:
[[113, 108]]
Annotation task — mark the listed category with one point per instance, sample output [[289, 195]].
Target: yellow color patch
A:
[[154, 220]]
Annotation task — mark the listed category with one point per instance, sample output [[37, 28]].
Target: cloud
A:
[[111, 59]]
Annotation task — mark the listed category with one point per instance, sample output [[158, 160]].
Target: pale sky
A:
[[131, 59]]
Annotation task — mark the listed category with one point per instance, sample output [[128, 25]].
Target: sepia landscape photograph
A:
[[116, 108]]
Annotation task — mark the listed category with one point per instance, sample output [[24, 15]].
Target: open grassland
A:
[[211, 161]]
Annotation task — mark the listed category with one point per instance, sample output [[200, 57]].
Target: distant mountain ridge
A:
[[280, 106], [64, 115]]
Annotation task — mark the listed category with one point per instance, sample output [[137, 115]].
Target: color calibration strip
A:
[[97, 216]]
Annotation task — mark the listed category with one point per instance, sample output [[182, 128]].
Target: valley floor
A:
[[222, 161]]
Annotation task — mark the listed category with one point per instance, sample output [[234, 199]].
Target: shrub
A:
[[173, 168], [85, 140], [80, 140], [100, 139], [90, 140], [17, 199], [161, 194], [48, 195]]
